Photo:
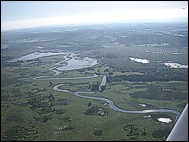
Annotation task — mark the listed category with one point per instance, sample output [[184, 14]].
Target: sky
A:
[[28, 14]]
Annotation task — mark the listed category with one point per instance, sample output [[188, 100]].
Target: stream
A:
[[70, 63], [113, 106]]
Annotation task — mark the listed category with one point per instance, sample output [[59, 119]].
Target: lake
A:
[[75, 63], [72, 60], [36, 55]]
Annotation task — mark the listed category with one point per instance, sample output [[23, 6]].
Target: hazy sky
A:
[[17, 15]]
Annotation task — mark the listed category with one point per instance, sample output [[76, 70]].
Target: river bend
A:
[[113, 106]]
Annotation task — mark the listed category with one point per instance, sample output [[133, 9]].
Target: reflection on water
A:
[[175, 65], [72, 61], [144, 61], [78, 64], [166, 120], [144, 105]]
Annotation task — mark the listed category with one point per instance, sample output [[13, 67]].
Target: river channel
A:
[[78, 93], [113, 106]]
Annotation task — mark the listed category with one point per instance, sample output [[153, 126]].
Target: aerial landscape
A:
[[93, 71], [95, 82]]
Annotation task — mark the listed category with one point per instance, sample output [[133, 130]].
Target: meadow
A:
[[31, 110]]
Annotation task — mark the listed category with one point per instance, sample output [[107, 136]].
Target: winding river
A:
[[110, 102], [113, 106]]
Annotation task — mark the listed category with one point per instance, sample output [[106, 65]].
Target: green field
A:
[[32, 110]]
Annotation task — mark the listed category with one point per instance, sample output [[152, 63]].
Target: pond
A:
[[175, 65], [166, 120], [143, 61]]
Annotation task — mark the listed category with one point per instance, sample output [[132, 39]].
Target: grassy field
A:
[[32, 110]]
